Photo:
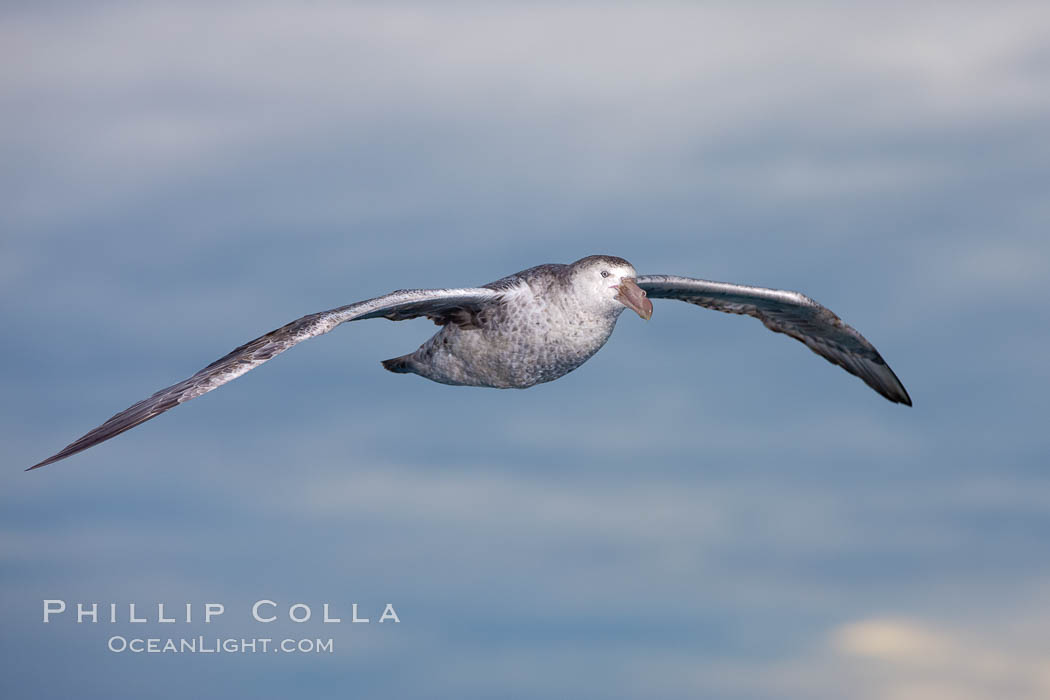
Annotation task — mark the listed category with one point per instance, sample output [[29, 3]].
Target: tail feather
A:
[[399, 365]]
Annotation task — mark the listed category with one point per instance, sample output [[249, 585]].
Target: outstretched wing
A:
[[794, 314], [441, 305]]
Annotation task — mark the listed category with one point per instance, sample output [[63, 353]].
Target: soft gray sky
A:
[[705, 509]]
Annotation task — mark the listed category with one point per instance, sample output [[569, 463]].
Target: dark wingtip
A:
[[891, 387], [894, 394], [902, 395], [896, 397], [67, 451], [46, 462]]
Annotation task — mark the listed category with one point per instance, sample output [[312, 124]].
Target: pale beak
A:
[[633, 297]]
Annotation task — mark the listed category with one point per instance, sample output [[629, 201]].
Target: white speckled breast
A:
[[535, 335]]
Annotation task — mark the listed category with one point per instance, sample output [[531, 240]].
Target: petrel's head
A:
[[610, 282]]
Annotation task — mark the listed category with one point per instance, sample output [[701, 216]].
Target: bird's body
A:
[[530, 327], [537, 333]]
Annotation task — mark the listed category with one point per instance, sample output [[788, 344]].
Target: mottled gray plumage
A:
[[538, 332], [530, 327]]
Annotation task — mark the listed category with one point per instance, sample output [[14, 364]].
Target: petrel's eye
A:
[[605, 273]]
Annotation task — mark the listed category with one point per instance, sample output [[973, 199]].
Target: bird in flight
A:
[[531, 327]]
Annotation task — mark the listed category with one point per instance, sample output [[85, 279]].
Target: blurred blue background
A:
[[705, 509]]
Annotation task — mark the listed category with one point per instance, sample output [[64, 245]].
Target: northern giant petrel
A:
[[531, 327]]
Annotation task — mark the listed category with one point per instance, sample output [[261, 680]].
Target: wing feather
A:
[[396, 306], [793, 314]]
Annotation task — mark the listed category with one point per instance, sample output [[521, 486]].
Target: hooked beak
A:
[[633, 297]]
